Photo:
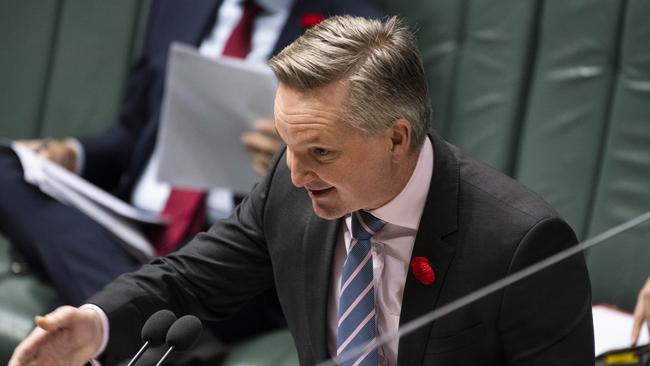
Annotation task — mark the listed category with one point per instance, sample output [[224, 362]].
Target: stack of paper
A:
[[117, 216], [612, 329]]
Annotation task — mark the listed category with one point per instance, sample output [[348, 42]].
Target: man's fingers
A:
[[645, 317], [259, 170], [266, 126], [636, 330], [28, 348], [638, 319], [47, 154], [57, 319], [41, 147], [258, 142], [63, 337], [261, 164], [31, 144]]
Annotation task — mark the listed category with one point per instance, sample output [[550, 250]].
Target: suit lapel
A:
[[439, 219], [200, 19], [319, 243]]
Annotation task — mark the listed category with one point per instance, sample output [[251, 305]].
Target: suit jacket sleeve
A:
[[546, 319], [211, 277]]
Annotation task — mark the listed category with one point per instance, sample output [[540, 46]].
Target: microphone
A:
[[182, 335], [154, 330]]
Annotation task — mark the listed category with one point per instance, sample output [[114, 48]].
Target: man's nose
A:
[[300, 174]]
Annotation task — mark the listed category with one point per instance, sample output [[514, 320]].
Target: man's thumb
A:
[[56, 319]]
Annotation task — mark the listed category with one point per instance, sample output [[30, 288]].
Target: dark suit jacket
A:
[[477, 227], [116, 158]]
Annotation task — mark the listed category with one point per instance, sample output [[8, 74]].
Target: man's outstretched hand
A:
[[67, 336]]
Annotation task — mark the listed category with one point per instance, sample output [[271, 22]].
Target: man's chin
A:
[[327, 213]]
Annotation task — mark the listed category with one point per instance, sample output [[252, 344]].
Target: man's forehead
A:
[[296, 107]]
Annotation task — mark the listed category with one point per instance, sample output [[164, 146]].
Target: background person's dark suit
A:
[[76, 254], [477, 226]]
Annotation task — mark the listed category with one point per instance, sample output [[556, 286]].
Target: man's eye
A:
[[321, 152]]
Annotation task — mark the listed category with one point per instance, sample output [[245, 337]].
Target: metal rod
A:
[[137, 355], [164, 357]]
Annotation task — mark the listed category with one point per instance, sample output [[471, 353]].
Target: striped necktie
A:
[[356, 313]]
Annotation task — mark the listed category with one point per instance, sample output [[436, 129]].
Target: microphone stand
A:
[[164, 357], [137, 355]]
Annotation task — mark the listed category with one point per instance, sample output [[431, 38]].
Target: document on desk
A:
[[612, 329], [208, 104]]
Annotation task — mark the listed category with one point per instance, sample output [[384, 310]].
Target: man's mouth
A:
[[319, 192]]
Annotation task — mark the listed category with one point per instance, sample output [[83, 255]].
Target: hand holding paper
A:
[[59, 151], [208, 105], [120, 218], [262, 142]]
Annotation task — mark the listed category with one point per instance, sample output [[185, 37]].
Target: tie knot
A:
[[364, 225]]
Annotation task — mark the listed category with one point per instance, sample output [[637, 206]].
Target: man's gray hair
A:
[[380, 61]]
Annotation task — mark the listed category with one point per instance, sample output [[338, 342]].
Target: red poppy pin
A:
[[422, 270], [309, 20]]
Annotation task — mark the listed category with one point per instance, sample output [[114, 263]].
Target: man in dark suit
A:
[[75, 253], [361, 195]]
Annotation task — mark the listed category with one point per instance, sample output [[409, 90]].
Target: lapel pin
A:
[[422, 270], [309, 20]]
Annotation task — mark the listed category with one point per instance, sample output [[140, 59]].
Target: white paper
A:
[[113, 214], [612, 329], [207, 105], [99, 196]]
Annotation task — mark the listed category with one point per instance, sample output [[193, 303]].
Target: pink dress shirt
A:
[[391, 255]]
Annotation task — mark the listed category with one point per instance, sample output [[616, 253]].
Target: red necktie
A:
[[239, 42], [185, 208]]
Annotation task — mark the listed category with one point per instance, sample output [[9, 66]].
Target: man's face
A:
[[342, 169]]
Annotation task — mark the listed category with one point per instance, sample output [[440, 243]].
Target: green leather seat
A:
[[21, 297], [568, 105], [622, 191], [24, 63], [489, 93]]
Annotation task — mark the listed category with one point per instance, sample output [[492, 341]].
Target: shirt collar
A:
[[406, 208]]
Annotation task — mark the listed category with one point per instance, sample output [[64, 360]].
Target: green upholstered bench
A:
[[21, 297]]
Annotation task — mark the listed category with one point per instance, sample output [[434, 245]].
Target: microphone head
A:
[[156, 327], [184, 333]]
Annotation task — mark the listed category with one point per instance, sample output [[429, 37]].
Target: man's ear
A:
[[400, 137]]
